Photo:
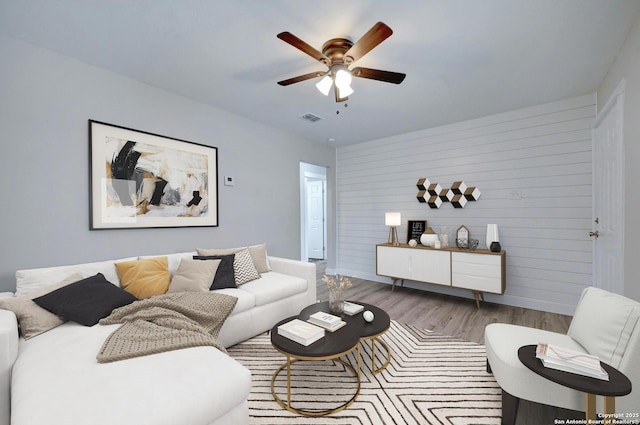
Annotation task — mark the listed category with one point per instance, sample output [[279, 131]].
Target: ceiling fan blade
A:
[[376, 35], [287, 37], [302, 78], [376, 74]]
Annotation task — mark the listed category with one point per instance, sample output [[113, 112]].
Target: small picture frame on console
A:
[[415, 228]]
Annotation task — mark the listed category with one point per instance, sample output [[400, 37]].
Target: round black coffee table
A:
[[617, 385], [367, 330], [331, 347]]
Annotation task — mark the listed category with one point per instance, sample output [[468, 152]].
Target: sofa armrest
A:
[[8, 355], [299, 269]]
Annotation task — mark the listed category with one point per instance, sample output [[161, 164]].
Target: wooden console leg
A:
[[509, 408]]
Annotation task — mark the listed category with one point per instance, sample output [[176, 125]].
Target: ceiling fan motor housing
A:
[[335, 50]]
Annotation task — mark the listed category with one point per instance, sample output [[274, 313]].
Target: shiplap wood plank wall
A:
[[533, 168]]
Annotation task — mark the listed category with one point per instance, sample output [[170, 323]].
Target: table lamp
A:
[[393, 220]]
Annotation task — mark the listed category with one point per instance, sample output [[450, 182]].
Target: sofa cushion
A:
[[145, 278], [194, 275], [225, 275], [275, 286], [57, 381], [86, 301], [33, 279], [33, 319], [606, 334], [246, 300]]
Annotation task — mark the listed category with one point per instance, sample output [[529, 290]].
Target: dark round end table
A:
[[617, 385]]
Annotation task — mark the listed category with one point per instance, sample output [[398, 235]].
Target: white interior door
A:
[[608, 195], [315, 219]]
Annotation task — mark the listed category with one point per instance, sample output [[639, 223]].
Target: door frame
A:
[[316, 172]]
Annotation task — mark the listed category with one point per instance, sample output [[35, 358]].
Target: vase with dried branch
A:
[[336, 285]]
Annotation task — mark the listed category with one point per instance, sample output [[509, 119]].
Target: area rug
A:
[[432, 379]]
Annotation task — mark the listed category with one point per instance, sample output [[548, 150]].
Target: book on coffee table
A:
[[301, 332], [327, 321], [352, 308]]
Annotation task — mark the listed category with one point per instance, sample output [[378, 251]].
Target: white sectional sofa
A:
[[54, 378]]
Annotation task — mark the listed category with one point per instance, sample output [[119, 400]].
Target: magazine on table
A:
[[568, 360]]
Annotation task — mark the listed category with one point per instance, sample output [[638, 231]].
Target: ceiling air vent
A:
[[311, 117]]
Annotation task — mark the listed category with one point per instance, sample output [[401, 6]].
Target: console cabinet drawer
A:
[[478, 272]]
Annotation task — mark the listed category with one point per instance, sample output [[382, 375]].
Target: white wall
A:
[[45, 102], [542, 154], [627, 67]]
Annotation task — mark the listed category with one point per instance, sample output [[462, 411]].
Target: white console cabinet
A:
[[479, 271]]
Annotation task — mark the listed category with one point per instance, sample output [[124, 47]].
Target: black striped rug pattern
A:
[[432, 379]]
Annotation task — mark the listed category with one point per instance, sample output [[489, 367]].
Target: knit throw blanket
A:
[[166, 322]]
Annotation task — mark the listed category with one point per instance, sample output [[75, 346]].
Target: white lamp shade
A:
[[344, 91], [343, 78], [324, 85], [392, 219]]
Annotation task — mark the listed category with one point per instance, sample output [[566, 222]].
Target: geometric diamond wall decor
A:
[[423, 184], [434, 195], [472, 193], [446, 195], [434, 201], [459, 201], [434, 189]]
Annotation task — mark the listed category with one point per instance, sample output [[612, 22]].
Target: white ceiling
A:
[[463, 58]]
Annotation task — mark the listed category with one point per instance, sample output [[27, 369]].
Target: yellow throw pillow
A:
[[145, 278]]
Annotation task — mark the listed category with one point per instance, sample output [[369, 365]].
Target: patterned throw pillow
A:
[[243, 267]]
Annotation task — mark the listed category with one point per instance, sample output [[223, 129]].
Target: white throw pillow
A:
[[194, 276]]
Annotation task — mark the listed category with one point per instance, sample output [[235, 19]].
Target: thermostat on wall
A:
[[228, 181]]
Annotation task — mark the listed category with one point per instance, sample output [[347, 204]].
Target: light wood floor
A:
[[458, 317]]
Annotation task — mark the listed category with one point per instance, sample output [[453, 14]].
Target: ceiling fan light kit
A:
[[338, 54]]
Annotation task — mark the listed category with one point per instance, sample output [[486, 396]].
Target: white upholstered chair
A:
[[604, 324]]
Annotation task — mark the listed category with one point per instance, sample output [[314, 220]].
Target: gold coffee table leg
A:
[[373, 355], [287, 405], [591, 407]]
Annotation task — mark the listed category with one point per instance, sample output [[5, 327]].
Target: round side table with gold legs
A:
[[332, 347]]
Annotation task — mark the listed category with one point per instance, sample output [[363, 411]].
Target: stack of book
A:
[[568, 360], [327, 321], [351, 308], [301, 332]]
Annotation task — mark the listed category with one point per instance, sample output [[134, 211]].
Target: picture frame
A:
[[462, 237], [415, 228], [145, 180]]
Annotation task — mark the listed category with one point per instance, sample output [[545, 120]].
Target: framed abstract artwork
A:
[[144, 180]]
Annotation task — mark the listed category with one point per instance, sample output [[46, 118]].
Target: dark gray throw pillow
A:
[[225, 276], [85, 301]]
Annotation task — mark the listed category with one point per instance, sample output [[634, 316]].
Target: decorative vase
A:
[[492, 236], [429, 237], [495, 247], [336, 301]]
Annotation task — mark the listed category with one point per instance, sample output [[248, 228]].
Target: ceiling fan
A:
[[338, 54]]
